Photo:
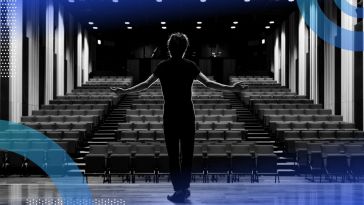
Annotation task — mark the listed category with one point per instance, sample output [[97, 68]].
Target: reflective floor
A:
[[267, 193]]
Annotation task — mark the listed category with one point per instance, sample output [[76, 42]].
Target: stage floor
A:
[[18, 191]]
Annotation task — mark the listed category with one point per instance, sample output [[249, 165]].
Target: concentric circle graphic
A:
[[328, 30], [70, 188]]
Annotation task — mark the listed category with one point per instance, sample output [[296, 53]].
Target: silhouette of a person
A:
[[176, 75]]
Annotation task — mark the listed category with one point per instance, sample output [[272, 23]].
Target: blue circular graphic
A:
[[349, 9], [327, 30], [19, 139]]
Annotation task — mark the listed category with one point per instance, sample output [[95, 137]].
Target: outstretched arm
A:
[[137, 88], [237, 87]]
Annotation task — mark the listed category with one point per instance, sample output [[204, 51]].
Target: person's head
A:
[[177, 45]]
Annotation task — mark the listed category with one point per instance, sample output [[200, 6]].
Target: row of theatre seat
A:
[[200, 136], [343, 159], [292, 118], [199, 118], [159, 112], [48, 156], [71, 119], [196, 106], [231, 160]]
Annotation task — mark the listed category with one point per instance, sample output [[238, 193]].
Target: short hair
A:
[[177, 44]]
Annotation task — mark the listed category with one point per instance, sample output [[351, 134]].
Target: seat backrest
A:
[[327, 134], [236, 125], [240, 149], [55, 135], [98, 149], [39, 145], [216, 149], [342, 134], [125, 126], [330, 149], [120, 149], [21, 145], [354, 149], [145, 149], [309, 134], [264, 149], [314, 147]]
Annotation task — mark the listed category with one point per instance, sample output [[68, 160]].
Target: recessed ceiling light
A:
[[199, 22], [198, 27], [164, 27], [127, 23], [163, 23], [271, 22], [236, 22], [91, 23], [233, 27], [267, 27], [95, 27], [129, 27]]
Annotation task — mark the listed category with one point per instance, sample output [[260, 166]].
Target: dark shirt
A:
[[176, 77]]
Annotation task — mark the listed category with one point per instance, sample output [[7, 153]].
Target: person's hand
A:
[[118, 91], [239, 86]]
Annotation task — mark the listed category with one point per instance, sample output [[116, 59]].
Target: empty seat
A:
[[145, 135], [236, 126], [266, 161], [326, 135], [125, 126], [144, 162], [54, 135], [96, 160], [217, 159], [56, 162], [163, 161], [241, 161], [315, 159], [233, 135], [127, 135], [335, 162], [156, 126], [309, 135], [198, 162], [201, 135], [159, 136], [215, 135], [120, 159], [205, 126], [356, 155]]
